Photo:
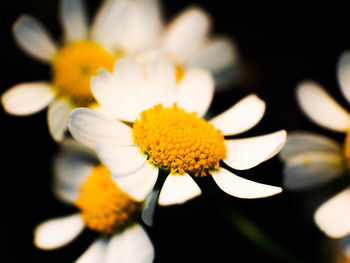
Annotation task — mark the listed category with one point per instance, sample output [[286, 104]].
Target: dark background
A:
[[279, 46]]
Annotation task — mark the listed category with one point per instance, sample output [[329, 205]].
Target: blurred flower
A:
[[84, 51], [160, 129], [312, 159], [104, 208]]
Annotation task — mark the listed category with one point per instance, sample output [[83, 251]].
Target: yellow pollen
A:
[[179, 70], [104, 207], [73, 67], [178, 141]]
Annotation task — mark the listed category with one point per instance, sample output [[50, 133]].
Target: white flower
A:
[[170, 136], [84, 51], [312, 159], [77, 181]]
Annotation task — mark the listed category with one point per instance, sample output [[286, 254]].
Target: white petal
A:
[[162, 81], [58, 232], [178, 189], [27, 98], [121, 160], [110, 23], [57, 117], [71, 167], [140, 183], [344, 74], [333, 217], [143, 26], [195, 91], [242, 188], [186, 33], [312, 168], [73, 19], [346, 245], [95, 253], [122, 93], [322, 108], [241, 117], [299, 142], [215, 55], [33, 38], [89, 126], [246, 153], [130, 246]]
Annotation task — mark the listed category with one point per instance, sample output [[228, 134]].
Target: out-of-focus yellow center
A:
[[179, 70], [347, 148], [178, 141], [73, 67], [104, 207]]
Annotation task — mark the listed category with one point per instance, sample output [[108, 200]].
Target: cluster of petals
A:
[[72, 166], [312, 159], [128, 91]]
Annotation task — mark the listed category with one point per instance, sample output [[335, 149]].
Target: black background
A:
[[279, 46]]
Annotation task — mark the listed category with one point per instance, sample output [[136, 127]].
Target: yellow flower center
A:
[[347, 149], [178, 141], [73, 67], [104, 207]]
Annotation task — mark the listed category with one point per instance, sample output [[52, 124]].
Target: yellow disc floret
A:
[[73, 67], [178, 141], [104, 207]]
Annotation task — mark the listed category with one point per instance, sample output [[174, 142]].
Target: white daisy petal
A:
[[144, 26], [241, 117], [140, 183], [74, 20], [130, 246], [344, 74], [122, 93], [121, 160], [162, 81], [346, 245], [88, 127], [95, 253], [57, 117], [58, 232], [186, 33], [27, 98], [299, 142], [71, 168], [178, 189], [333, 216], [112, 17], [322, 108], [246, 153], [33, 38], [310, 169], [242, 188], [215, 55], [195, 91]]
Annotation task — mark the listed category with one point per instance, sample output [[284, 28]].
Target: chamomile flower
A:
[[103, 208], [84, 50], [156, 127], [311, 159]]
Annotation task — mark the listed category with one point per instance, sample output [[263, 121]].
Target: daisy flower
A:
[[311, 159], [84, 50], [103, 208], [155, 127]]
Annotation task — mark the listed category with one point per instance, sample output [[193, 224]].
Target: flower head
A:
[[103, 208], [156, 125], [311, 159], [84, 51]]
